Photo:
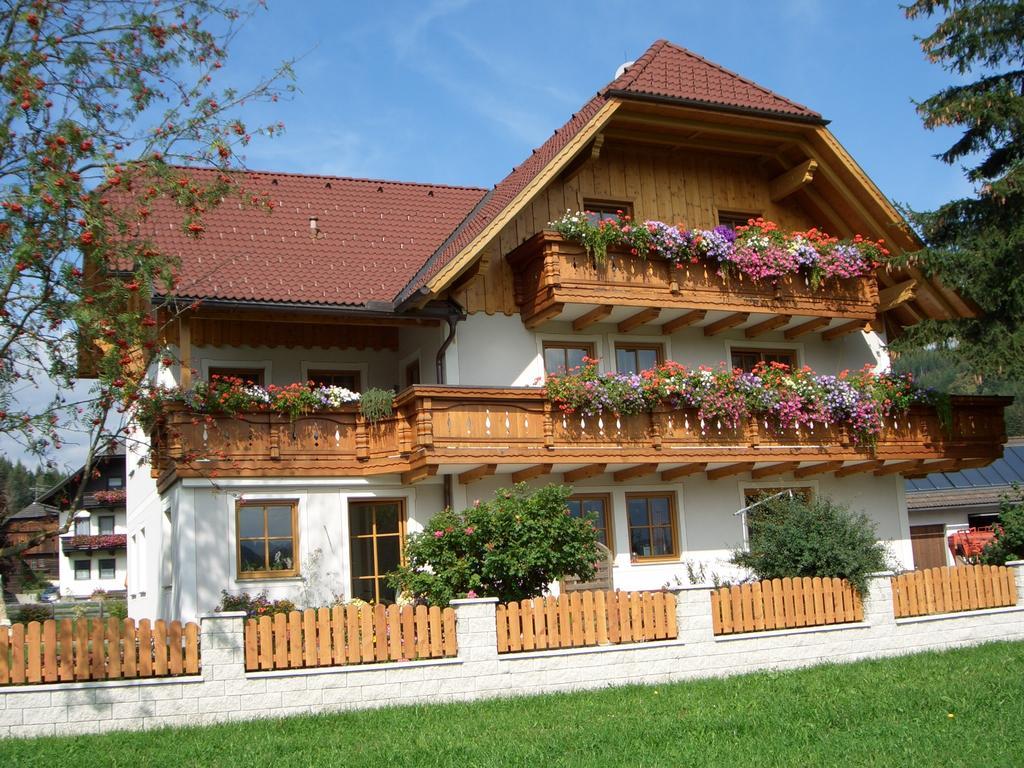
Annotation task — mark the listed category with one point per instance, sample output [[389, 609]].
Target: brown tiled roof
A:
[[374, 236], [664, 71], [668, 71]]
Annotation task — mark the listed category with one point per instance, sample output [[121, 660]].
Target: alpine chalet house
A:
[[447, 307]]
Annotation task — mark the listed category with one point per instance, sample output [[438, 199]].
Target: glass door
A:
[[377, 533]]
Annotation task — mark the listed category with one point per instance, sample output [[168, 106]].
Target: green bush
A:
[[35, 612], [511, 548], [795, 537], [1008, 543], [117, 609], [253, 605]]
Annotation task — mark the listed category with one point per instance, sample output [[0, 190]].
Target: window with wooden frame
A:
[[376, 530], [351, 380], [245, 375], [598, 508], [564, 356], [600, 210], [115, 482], [652, 526], [748, 359], [631, 357], [735, 219], [267, 533]]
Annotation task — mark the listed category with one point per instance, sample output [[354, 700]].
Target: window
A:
[[348, 379], [267, 546], [115, 482], [412, 373], [106, 525], [652, 526], [377, 531], [562, 356], [599, 210], [754, 495], [82, 526], [82, 570], [247, 375], [596, 507], [735, 218], [983, 519], [108, 568], [633, 358], [747, 359]]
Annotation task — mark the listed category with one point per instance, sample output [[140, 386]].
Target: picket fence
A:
[[950, 590], [96, 649], [351, 634], [581, 619], [784, 603]]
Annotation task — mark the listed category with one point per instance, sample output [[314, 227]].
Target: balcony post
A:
[[549, 426], [425, 424], [362, 439], [274, 442]]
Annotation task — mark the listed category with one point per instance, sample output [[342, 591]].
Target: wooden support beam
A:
[[185, 352], [729, 470], [853, 469], [771, 324], [687, 469], [631, 473], [596, 315], [809, 327], [727, 322], [531, 472], [595, 146], [899, 466], [684, 320], [413, 476], [842, 330], [472, 475], [642, 317], [544, 315], [773, 470], [816, 469], [949, 465], [784, 185], [591, 470], [895, 295]]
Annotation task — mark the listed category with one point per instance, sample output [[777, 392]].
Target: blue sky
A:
[[459, 91]]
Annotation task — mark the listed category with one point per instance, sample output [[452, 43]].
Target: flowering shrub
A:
[[726, 397], [511, 548], [230, 395], [759, 250], [254, 605]]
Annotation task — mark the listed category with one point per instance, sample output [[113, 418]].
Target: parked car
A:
[[50, 594]]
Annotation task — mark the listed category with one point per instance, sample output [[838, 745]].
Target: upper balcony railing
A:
[[465, 427], [551, 273]]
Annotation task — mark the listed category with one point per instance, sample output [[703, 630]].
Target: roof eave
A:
[[626, 95]]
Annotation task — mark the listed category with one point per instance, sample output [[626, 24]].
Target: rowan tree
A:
[[102, 103]]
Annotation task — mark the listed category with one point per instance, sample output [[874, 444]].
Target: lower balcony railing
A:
[[435, 426]]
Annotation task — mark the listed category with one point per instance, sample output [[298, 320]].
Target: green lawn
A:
[[963, 707]]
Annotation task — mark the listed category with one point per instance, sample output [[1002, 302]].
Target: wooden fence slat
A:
[[159, 647], [451, 647], [659, 615], [434, 623], [265, 641], [67, 650], [540, 623], [252, 656], [515, 631], [1011, 586], [5, 650], [191, 648], [501, 617], [526, 624], [589, 619], [114, 648], [50, 651], [295, 648], [309, 649], [757, 612], [380, 632], [778, 604], [422, 633], [716, 614], [176, 662], [394, 629], [601, 615], [323, 636], [279, 639], [671, 625], [564, 632], [946, 590], [130, 649], [575, 619], [636, 617], [97, 650], [18, 654], [747, 606], [647, 611], [612, 607], [409, 633], [145, 649], [338, 630], [366, 633], [34, 652]]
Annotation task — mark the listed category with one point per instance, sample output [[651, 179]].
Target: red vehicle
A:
[[968, 544]]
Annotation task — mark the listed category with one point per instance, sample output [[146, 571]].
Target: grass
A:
[[954, 708]]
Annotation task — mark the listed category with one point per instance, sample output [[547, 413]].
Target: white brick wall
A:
[[224, 691]]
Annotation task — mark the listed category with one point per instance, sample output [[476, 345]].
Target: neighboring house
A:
[[942, 503], [460, 300], [43, 559], [93, 552]]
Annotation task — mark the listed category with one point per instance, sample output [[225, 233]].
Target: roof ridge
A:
[[330, 177], [634, 70]]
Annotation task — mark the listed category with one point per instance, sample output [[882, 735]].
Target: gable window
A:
[[267, 539], [83, 568], [350, 380], [747, 359], [652, 526], [735, 219], [106, 525], [563, 356], [246, 375], [108, 568], [633, 358], [596, 507], [601, 210], [82, 526]]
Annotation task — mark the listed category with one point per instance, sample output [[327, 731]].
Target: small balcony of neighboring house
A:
[[560, 279], [108, 498], [94, 542], [472, 432]]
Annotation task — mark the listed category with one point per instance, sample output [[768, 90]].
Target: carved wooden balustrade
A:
[[551, 272], [433, 426]]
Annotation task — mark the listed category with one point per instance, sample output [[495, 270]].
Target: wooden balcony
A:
[[556, 279], [475, 432]]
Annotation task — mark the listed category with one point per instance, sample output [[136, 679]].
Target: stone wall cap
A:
[[224, 615], [1014, 563], [881, 574], [474, 601]]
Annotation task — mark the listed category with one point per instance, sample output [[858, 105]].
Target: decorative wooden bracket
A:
[[773, 470], [785, 184], [895, 295], [472, 475], [640, 470], [727, 322], [591, 470], [842, 330], [684, 320], [771, 324], [642, 317], [817, 469], [531, 472], [596, 315], [729, 470], [804, 328], [687, 469]]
